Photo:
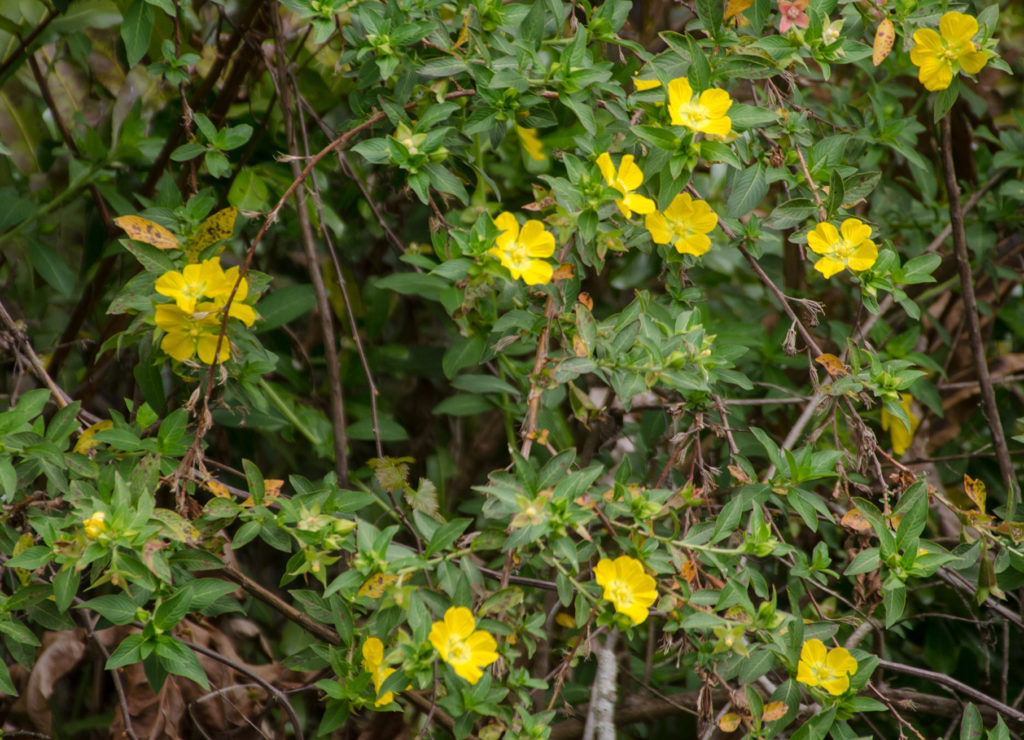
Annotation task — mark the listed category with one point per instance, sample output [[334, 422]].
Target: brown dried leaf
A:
[[142, 230], [775, 710], [61, 653]]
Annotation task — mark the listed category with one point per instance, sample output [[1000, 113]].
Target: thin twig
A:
[[323, 303], [951, 683], [974, 327], [16, 54], [267, 686]]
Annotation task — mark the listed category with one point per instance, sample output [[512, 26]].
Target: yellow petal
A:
[[604, 571], [864, 257], [630, 175], [926, 41], [679, 93], [373, 652], [855, 231], [179, 346], [823, 238], [718, 126], [716, 102], [813, 652], [538, 273], [956, 26], [973, 61], [507, 223], [604, 163], [207, 348], [695, 244], [836, 685], [537, 241], [828, 266], [639, 203], [658, 226], [460, 621]]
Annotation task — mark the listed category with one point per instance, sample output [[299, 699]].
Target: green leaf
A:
[[179, 660], [186, 152], [284, 305], [445, 535], [484, 384], [444, 181], [464, 352], [128, 652], [65, 586], [136, 30], [50, 266], [414, 283], [8, 478], [6, 685], [173, 610], [463, 404], [116, 609], [894, 599], [254, 478], [749, 187], [31, 559], [442, 67], [864, 561], [971, 726], [716, 151], [945, 99]]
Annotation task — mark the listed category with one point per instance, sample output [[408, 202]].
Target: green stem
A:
[[288, 413]]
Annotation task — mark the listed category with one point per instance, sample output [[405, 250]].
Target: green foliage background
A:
[[406, 428]]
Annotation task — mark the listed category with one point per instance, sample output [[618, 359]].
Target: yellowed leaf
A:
[[885, 35], [579, 347], [217, 488], [736, 7], [832, 364], [729, 722], [854, 520], [565, 620], [775, 710], [375, 585], [688, 571], [143, 230], [975, 490], [586, 300], [220, 225], [562, 272], [86, 442]]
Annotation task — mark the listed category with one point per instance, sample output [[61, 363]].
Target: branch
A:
[[956, 216]]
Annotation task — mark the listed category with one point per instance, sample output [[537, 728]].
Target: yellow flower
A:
[[461, 645], [516, 249], [95, 524], [706, 113], [628, 178], [210, 281], [899, 434], [830, 669], [627, 586], [941, 55], [532, 145], [852, 249], [373, 656], [685, 224], [188, 334]]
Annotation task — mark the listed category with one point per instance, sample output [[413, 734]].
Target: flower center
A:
[[694, 115], [518, 258], [458, 651], [621, 594], [843, 250], [793, 12]]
